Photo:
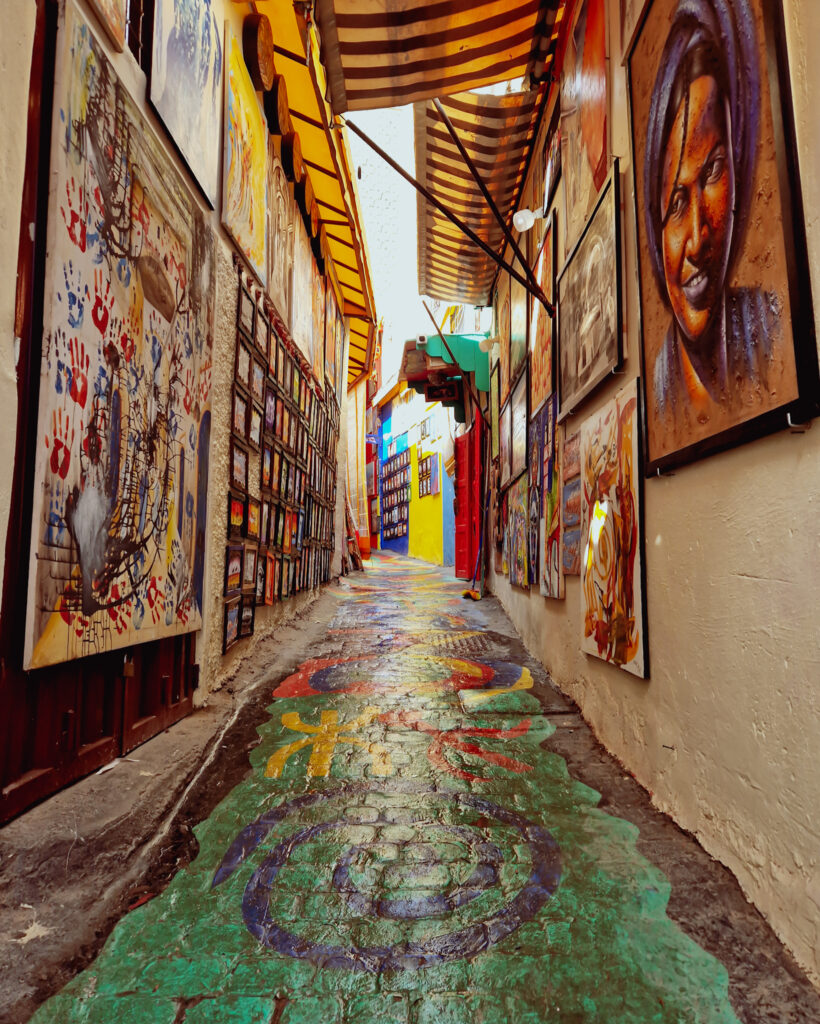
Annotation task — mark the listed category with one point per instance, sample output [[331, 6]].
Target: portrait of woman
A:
[[718, 348]]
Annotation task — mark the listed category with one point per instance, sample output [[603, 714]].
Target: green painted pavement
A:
[[396, 847]]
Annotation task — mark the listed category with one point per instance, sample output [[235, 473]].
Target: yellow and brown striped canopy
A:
[[385, 53]]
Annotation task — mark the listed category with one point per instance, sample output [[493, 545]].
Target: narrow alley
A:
[[411, 846]]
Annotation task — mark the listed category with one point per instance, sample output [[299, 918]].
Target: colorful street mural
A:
[[405, 851], [121, 471]]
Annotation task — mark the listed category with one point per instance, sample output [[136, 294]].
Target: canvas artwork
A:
[[317, 353], [518, 428], [301, 312], [245, 161], [571, 506], [518, 328], [584, 116], [230, 627], [552, 167], [542, 324], [340, 351], [186, 84], [113, 17], [631, 12], [535, 443], [517, 525], [589, 303], [494, 400], [504, 442], [121, 471], [331, 320], [612, 592], [282, 214], [551, 576], [726, 351], [502, 331]]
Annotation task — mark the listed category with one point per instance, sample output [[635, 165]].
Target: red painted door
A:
[[476, 488], [464, 570]]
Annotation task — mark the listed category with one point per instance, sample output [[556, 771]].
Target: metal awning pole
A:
[[465, 156], [473, 392], [443, 209]]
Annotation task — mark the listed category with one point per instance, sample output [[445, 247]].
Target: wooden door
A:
[[462, 507]]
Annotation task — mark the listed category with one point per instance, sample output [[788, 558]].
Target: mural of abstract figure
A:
[[715, 293], [186, 84], [612, 572], [118, 528]]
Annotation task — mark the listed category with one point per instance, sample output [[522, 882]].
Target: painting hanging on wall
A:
[[317, 352], [542, 324], [518, 428], [584, 116], [121, 470], [728, 339], [518, 328], [589, 303], [113, 18], [535, 441], [282, 215], [612, 585], [551, 576], [331, 319], [245, 161], [494, 410], [504, 443], [502, 330], [631, 13], [302, 294], [518, 515], [571, 506], [186, 85]]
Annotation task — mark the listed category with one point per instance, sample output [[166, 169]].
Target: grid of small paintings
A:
[[281, 523], [396, 475], [428, 475]]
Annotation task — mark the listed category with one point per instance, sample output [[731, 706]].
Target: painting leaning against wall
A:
[[121, 471], [612, 586]]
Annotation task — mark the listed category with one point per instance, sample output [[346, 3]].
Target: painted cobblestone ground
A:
[[405, 851]]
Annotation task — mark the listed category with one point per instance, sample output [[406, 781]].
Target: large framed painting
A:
[[504, 443], [542, 324], [589, 303], [518, 329], [612, 566], [331, 319], [186, 85], [502, 330], [727, 326], [124, 421], [518, 427], [552, 160], [245, 161], [551, 576], [584, 115], [113, 18], [317, 352], [494, 410], [518, 513], [571, 505]]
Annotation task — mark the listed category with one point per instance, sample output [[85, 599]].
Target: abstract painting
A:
[[113, 18], [502, 330], [551, 576], [727, 349], [584, 116], [186, 84], [504, 443], [518, 329], [571, 506], [612, 598], [517, 528], [535, 442], [589, 303], [541, 323], [245, 161], [518, 428], [121, 470]]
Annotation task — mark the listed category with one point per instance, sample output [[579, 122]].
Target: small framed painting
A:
[[270, 579], [246, 313], [285, 578], [230, 624], [233, 568], [261, 566], [264, 522], [239, 466], [270, 409], [112, 15], [244, 362], [266, 466], [280, 417], [236, 515], [239, 414], [247, 615], [276, 470], [250, 554], [258, 381], [253, 525], [286, 539], [273, 351], [256, 416], [261, 333]]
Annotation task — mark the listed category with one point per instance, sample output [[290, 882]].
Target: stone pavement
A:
[[408, 849]]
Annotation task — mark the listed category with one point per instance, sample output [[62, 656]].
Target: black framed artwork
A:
[[233, 568], [230, 623], [253, 514], [239, 466], [236, 515], [249, 556], [258, 378], [239, 413], [504, 443], [244, 363], [255, 419], [261, 333], [728, 342], [247, 614], [246, 313], [589, 302]]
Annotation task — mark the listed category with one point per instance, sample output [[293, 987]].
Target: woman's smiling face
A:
[[698, 200]]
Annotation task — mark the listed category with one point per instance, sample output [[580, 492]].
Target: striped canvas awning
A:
[[498, 133], [386, 53]]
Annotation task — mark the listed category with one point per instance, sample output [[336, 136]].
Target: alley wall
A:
[[724, 732]]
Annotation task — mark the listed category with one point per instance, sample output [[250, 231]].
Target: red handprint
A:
[[204, 383], [155, 600], [187, 396], [78, 375], [62, 438], [103, 301], [74, 216]]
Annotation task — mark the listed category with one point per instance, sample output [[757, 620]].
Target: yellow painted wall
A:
[[425, 538]]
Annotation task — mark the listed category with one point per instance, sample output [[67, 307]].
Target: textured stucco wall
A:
[[724, 735], [15, 68]]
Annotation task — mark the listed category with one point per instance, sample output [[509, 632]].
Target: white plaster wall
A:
[[15, 67], [725, 733]]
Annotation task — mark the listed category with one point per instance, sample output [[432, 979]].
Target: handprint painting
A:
[[717, 317], [118, 525]]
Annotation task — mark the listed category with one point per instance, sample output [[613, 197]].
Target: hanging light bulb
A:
[[523, 220]]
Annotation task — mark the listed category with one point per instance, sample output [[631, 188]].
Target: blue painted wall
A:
[[397, 544], [448, 516]]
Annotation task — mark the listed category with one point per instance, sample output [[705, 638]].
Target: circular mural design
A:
[[413, 883]]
